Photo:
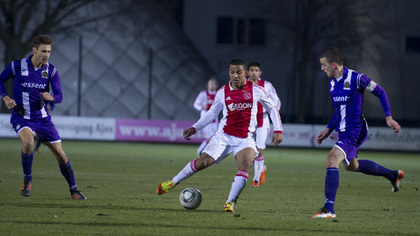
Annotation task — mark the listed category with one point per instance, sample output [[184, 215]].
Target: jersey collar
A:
[[246, 83], [345, 71]]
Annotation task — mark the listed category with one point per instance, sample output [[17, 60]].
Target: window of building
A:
[[240, 31], [225, 30], [256, 31], [413, 45]]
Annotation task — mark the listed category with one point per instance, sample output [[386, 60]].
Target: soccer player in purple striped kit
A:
[[32, 78], [347, 88]]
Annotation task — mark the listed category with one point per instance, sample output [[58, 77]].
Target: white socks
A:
[[189, 170], [258, 168], [238, 184]]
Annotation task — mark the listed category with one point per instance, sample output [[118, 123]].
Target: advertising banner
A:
[[70, 127], [167, 131], [384, 138], [6, 130], [154, 131], [85, 128], [294, 135]]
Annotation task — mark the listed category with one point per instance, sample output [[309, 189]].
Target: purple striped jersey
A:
[[28, 84], [347, 97]]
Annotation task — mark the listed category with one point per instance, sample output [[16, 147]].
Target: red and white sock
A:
[[238, 184], [189, 170], [201, 147], [258, 168]]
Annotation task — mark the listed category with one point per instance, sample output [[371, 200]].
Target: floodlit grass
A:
[[120, 181]]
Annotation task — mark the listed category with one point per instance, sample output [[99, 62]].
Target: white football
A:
[[190, 198]]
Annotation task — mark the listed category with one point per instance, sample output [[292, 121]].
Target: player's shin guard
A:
[[188, 171], [331, 186], [371, 168], [258, 168], [238, 185], [27, 160], [68, 174]]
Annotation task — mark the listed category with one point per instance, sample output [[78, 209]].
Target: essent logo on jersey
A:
[[33, 85], [239, 106], [340, 98]]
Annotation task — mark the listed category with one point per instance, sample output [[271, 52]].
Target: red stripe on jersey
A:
[[260, 110], [210, 101], [239, 105]]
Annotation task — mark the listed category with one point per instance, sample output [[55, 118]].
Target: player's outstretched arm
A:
[[323, 135], [188, 133], [393, 124]]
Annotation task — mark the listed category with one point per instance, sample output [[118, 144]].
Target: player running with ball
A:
[[347, 88], [239, 102], [32, 78]]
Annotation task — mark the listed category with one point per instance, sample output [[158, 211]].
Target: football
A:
[[190, 198]]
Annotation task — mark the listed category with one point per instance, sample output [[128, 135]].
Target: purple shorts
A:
[[350, 141], [44, 128]]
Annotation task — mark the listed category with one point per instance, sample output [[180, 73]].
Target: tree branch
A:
[[26, 17]]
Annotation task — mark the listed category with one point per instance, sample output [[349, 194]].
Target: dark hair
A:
[[41, 39], [238, 62], [255, 64], [332, 54], [213, 78]]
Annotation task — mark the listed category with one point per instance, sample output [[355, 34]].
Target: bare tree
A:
[[314, 24], [22, 20]]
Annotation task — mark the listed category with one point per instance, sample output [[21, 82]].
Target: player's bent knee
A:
[[27, 146], [204, 161], [354, 166], [349, 168], [62, 159], [245, 164], [334, 158]]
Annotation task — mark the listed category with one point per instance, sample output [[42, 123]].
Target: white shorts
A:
[[209, 130], [221, 145], [262, 134]]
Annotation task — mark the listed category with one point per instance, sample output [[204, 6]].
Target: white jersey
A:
[[262, 116], [204, 101], [240, 110], [271, 91]]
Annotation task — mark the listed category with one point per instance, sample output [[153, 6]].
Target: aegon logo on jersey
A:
[[340, 99], [239, 106], [34, 85]]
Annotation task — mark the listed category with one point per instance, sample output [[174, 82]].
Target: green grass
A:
[[120, 181]]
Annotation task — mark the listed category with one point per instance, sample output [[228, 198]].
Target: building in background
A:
[[379, 38], [108, 64]]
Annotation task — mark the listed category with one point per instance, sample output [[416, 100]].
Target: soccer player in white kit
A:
[[263, 123], [239, 102], [203, 103]]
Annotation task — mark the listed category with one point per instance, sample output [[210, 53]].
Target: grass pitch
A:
[[120, 180]]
